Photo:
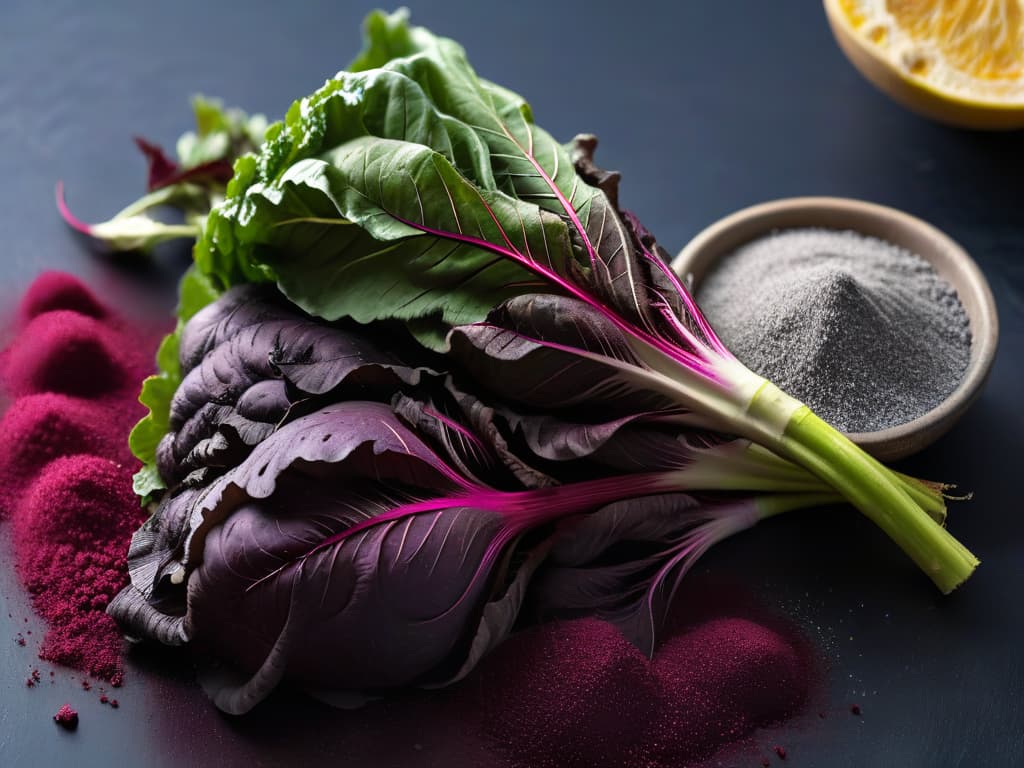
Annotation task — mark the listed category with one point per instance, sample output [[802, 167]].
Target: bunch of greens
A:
[[465, 344]]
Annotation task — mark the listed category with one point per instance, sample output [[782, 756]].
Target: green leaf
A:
[[195, 291], [156, 394], [390, 229], [386, 36], [221, 133], [526, 160], [146, 483], [353, 105], [167, 353], [426, 93]]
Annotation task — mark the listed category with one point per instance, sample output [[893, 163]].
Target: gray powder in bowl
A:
[[863, 331]]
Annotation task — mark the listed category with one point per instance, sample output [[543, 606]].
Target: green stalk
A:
[[928, 496], [777, 504], [749, 405], [736, 466], [870, 487], [158, 197]]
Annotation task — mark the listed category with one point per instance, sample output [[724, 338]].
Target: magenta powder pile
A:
[[577, 693], [73, 373]]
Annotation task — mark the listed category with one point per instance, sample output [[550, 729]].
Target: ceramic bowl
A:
[[917, 236]]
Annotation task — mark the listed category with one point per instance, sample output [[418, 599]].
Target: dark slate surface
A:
[[705, 108]]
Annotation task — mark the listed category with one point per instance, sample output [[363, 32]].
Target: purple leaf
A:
[[413, 581], [246, 360], [163, 172], [625, 561]]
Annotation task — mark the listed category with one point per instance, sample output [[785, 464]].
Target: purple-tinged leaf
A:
[[553, 352], [624, 562], [414, 582], [346, 440], [159, 166], [247, 359], [165, 172], [132, 229]]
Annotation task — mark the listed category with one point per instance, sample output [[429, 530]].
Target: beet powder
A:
[[567, 694], [74, 369], [721, 680], [577, 693], [66, 717]]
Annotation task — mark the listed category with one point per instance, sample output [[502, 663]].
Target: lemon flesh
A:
[[961, 61]]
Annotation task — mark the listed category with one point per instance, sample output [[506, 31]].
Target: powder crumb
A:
[[104, 699], [855, 710], [86, 685], [20, 640], [863, 331], [114, 704], [765, 762], [780, 751], [66, 717]]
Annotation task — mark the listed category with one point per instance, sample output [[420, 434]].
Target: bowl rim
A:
[[984, 321]]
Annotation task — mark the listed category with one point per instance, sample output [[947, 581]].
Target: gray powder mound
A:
[[863, 331]]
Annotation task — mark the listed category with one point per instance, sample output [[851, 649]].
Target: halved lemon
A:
[[957, 61]]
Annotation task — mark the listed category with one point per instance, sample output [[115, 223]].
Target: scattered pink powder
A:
[[39, 428]]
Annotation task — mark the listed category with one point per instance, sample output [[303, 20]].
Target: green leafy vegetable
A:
[[410, 189], [426, 360]]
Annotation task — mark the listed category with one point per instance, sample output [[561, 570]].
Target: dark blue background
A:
[[705, 108]]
